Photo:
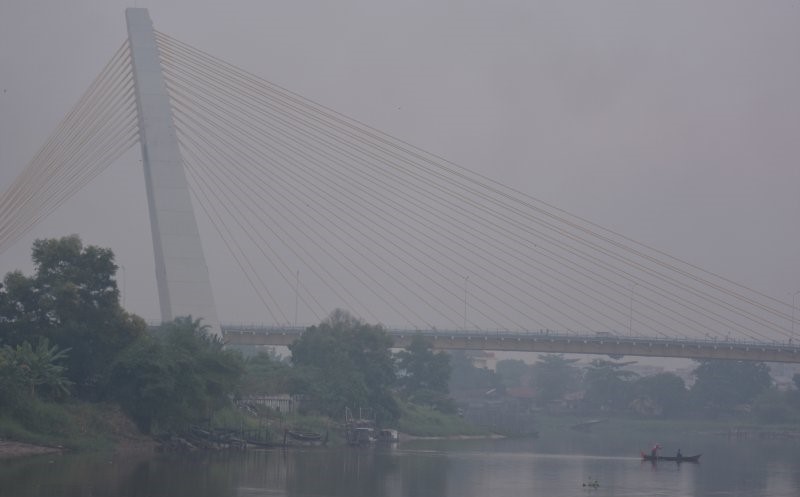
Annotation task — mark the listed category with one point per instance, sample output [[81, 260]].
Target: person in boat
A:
[[679, 455], [654, 451]]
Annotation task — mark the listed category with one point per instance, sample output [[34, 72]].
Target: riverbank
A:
[[13, 449], [9, 449], [490, 436], [43, 428], [106, 429]]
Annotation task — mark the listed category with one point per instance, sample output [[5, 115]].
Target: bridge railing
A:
[[593, 337]]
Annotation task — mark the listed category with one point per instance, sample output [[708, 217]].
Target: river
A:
[[555, 466]]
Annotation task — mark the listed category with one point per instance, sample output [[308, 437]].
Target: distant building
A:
[[484, 360]]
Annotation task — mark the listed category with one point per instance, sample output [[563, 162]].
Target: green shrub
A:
[[426, 422]]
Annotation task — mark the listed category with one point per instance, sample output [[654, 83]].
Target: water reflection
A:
[[473, 468]]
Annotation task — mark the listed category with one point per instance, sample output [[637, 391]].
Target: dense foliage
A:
[[553, 377], [662, 394], [267, 374], [607, 385], [27, 371], [72, 300], [175, 376], [63, 332], [346, 363], [720, 388], [722, 385], [465, 376], [424, 375]]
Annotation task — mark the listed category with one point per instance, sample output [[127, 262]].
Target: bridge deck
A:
[[613, 345]]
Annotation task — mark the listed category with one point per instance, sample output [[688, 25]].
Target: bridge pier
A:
[[184, 287]]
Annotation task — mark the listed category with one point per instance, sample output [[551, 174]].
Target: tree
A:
[[513, 372], [18, 304], [200, 355], [74, 282], [773, 406], [465, 376], [424, 375], [721, 385], [266, 374], [12, 379], [554, 376], [660, 394], [42, 368], [73, 301], [30, 371], [142, 381], [607, 385], [346, 363], [177, 375]]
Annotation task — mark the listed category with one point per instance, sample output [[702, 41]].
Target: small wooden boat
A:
[[305, 438], [649, 457]]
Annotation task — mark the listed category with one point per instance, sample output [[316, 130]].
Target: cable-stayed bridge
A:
[[546, 341], [375, 225]]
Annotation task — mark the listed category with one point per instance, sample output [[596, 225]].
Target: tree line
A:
[[64, 337], [717, 388]]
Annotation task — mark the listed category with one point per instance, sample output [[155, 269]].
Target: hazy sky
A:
[[676, 123]]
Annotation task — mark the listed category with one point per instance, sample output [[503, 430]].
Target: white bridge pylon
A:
[[184, 287]]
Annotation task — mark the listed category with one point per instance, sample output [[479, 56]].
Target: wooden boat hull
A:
[[694, 458], [306, 439]]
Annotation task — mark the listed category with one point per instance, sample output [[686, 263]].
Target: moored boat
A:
[[303, 438], [387, 435], [649, 457], [361, 436]]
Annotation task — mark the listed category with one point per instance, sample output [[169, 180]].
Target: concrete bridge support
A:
[[184, 287]]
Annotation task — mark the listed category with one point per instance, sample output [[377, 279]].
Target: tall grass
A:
[[75, 425], [425, 422]]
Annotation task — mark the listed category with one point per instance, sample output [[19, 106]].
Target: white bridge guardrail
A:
[[596, 337]]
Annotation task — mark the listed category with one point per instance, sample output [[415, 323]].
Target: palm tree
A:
[[39, 366]]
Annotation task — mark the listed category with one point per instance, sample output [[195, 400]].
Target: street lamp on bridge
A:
[[630, 313], [466, 280], [794, 305]]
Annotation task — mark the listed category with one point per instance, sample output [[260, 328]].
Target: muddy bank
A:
[[406, 436], [122, 445], [10, 448]]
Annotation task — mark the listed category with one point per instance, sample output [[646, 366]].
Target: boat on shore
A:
[[360, 436], [649, 457], [304, 438], [388, 436]]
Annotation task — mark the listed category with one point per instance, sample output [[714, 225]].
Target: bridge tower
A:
[[184, 287]]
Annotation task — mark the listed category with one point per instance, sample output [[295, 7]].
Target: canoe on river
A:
[[694, 458]]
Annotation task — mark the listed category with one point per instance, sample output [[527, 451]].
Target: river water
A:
[[558, 466]]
